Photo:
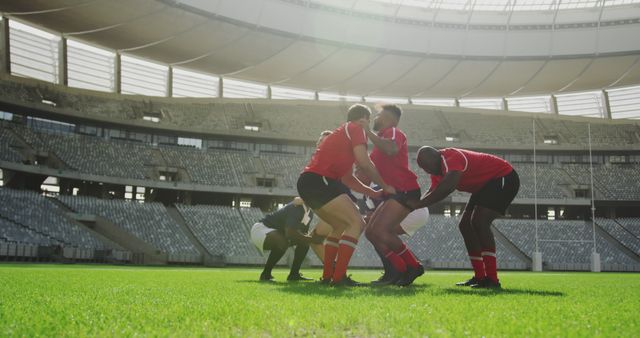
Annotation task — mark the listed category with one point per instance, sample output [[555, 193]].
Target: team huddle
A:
[[353, 192]]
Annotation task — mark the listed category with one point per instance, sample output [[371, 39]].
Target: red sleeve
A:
[[454, 161], [398, 136], [356, 134]]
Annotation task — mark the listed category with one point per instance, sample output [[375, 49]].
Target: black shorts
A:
[[403, 196], [317, 190], [497, 194]]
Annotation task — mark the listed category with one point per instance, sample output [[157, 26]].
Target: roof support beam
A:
[[5, 55], [554, 105], [606, 108], [63, 71], [117, 73]]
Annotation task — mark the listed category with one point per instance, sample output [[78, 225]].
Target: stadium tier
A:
[[241, 168], [149, 222], [32, 214], [304, 120], [224, 232]]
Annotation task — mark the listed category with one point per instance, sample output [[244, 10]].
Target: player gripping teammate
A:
[[278, 231], [320, 186], [493, 184], [391, 156]]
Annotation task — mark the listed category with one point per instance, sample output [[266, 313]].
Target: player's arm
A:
[[364, 162], [387, 146], [295, 236], [291, 227], [356, 185], [444, 189]]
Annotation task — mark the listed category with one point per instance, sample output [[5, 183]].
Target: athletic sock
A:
[[408, 257], [330, 253], [396, 261], [386, 265], [345, 251], [478, 264], [490, 265]]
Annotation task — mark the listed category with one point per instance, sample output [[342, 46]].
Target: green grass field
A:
[[75, 300]]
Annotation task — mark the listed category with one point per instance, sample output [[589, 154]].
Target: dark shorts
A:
[[317, 190], [403, 196], [497, 194]]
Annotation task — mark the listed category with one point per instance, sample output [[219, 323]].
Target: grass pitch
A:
[[75, 300]]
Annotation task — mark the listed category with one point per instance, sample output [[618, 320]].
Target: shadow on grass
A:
[[315, 288], [498, 292]]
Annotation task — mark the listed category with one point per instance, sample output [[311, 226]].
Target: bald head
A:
[[429, 160]]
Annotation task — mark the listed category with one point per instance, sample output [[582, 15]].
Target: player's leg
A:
[[383, 230], [481, 220], [328, 200], [493, 201], [472, 243], [277, 244], [299, 254], [341, 213], [321, 231]]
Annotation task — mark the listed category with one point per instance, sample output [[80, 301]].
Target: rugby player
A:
[[281, 229], [322, 186], [493, 184]]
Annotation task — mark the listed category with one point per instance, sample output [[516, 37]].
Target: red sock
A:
[[478, 264], [347, 247], [490, 265], [330, 253], [396, 261], [408, 257]]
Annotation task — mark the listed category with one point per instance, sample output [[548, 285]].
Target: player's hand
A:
[[389, 190], [413, 204], [315, 238], [375, 194]]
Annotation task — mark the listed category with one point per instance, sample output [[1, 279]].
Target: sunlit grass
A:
[[62, 300]]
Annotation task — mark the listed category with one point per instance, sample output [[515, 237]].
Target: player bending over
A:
[[278, 231], [321, 187], [493, 184]]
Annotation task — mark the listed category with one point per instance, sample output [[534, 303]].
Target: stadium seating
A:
[[620, 233], [148, 221], [35, 214], [13, 232], [208, 167], [304, 120], [631, 224], [7, 141], [220, 229], [563, 244], [130, 159]]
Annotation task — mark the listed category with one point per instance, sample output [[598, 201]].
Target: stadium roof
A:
[[383, 48]]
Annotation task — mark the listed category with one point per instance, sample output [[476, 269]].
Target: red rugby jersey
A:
[[477, 168], [394, 170], [334, 157]]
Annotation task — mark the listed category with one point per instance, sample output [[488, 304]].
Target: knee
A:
[[357, 223], [282, 245], [370, 234], [479, 224], [465, 225]]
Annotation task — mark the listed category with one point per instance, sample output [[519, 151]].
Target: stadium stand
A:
[[149, 221], [565, 245], [238, 168], [631, 224], [221, 230], [621, 234], [35, 214], [13, 232], [291, 120]]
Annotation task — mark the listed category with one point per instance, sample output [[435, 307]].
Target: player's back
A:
[[334, 156]]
